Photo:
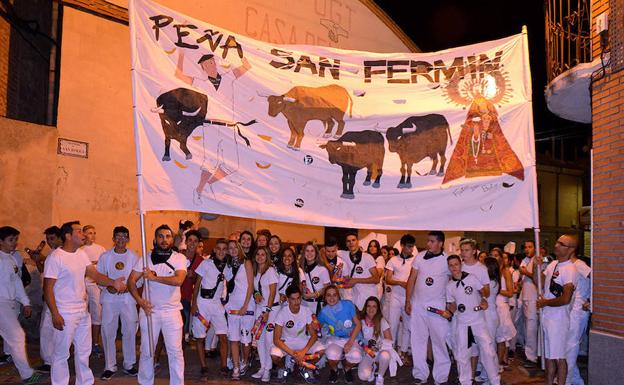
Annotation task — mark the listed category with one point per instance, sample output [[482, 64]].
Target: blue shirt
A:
[[338, 318]]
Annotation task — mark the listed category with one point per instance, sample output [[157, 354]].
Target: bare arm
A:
[[134, 292], [48, 292], [410, 289], [277, 341], [393, 282], [485, 290], [240, 71], [196, 288], [103, 280], [387, 335], [272, 291], [174, 280], [564, 299], [374, 278], [179, 73]]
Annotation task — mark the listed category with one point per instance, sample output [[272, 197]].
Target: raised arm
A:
[[240, 71], [179, 73]]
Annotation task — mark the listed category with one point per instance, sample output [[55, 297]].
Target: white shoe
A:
[[258, 374], [266, 376], [379, 380], [236, 374]]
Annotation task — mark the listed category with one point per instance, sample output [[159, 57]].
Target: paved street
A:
[[8, 375]]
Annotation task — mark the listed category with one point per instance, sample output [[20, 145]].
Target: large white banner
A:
[[305, 134]]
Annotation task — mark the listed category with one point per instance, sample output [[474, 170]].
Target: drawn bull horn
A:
[[348, 144], [194, 113], [412, 128], [289, 99], [158, 109], [263, 94]]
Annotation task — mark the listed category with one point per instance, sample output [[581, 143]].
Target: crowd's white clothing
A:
[[529, 311], [578, 321], [394, 300], [361, 291], [239, 327], [314, 280], [556, 320], [94, 252], [294, 326]]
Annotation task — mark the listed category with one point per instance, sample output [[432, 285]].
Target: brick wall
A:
[[608, 187], [5, 38]]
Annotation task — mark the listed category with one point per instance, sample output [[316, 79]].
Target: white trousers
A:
[[265, 343], [488, 357], [95, 307], [518, 321], [395, 312], [529, 309], [77, 331], [170, 324], [46, 336], [14, 337], [578, 326], [111, 313], [334, 350], [506, 329], [366, 369], [425, 325]]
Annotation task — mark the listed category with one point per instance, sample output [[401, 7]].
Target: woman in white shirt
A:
[[316, 278], [377, 342], [265, 290]]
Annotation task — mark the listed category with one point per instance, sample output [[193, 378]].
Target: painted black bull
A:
[[354, 151], [183, 110], [302, 104], [417, 138]]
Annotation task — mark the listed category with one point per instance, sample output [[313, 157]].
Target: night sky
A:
[[437, 25]]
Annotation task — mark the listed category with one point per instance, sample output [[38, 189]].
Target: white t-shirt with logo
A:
[[164, 297], [294, 326], [401, 269], [466, 297], [433, 275], [368, 332], [283, 281], [116, 266], [319, 277], [262, 283], [69, 271], [209, 273], [361, 291], [564, 273], [583, 290], [237, 296], [94, 252], [478, 270], [11, 288]]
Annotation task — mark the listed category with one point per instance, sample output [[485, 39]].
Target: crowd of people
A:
[[253, 301]]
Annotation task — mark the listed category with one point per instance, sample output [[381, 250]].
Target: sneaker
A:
[[333, 377], [418, 381], [131, 372], [307, 375], [186, 338], [5, 359], [481, 379], [266, 376], [236, 374], [258, 374], [379, 380], [282, 374], [349, 376], [107, 375], [45, 368], [243, 368], [34, 379]]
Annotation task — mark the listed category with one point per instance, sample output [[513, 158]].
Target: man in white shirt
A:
[[118, 263], [466, 299], [426, 288], [560, 281], [579, 316], [471, 265], [295, 335], [65, 294], [529, 309], [207, 311], [164, 273], [12, 294], [398, 270], [361, 270], [93, 251]]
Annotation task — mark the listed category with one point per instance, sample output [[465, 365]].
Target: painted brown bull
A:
[[417, 138], [302, 104], [356, 150]]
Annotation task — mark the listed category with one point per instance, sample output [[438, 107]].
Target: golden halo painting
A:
[[482, 149]]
